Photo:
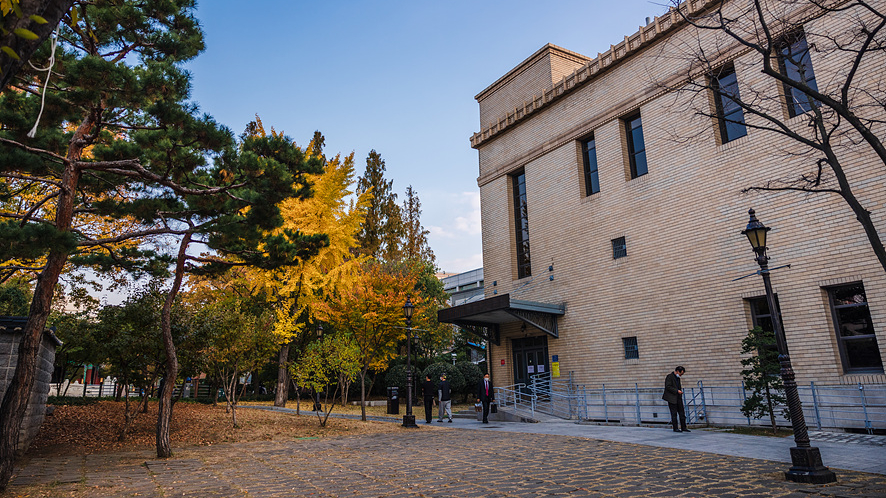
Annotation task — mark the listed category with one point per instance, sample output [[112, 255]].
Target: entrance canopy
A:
[[483, 318]]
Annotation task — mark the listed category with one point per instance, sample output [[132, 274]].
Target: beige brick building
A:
[[635, 248]]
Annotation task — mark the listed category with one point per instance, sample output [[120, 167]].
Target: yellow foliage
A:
[[7, 5], [371, 311], [296, 289]]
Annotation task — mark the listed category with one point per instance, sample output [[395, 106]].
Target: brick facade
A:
[[681, 221], [10, 336]]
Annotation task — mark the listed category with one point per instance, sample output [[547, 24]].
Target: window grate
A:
[[632, 350], [619, 248]]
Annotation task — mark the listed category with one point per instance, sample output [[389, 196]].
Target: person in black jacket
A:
[[673, 394], [485, 395], [445, 399], [427, 390]]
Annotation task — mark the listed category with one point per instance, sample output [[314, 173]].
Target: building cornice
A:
[[529, 62], [644, 37]]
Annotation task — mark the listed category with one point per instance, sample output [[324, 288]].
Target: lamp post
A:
[[409, 418], [806, 459], [317, 406]]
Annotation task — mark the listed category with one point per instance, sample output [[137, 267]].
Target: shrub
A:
[[453, 375], [472, 375]]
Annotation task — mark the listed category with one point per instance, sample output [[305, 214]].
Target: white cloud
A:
[[463, 264], [466, 222]]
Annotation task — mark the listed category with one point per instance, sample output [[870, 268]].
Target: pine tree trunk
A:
[[282, 393], [15, 399], [164, 414]]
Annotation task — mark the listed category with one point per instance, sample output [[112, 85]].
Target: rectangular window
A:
[[855, 329], [729, 114], [521, 225], [636, 146], [589, 154], [632, 351], [760, 315], [619, 248], [796, 64]]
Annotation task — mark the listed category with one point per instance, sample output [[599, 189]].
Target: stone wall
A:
[[10, 336]]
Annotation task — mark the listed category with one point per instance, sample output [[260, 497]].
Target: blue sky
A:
[[395, 76]]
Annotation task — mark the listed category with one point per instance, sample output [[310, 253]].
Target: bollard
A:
[[815, 405]]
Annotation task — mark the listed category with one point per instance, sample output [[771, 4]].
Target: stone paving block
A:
[[438, 463]]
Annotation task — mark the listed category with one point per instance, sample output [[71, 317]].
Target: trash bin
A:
[[393, 401]]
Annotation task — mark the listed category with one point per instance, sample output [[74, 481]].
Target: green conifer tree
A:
[[762, 376], [381, 230], [415, 236], [118, 138]]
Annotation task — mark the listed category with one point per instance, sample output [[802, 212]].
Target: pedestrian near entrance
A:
[[427, 390], [673, 394], [445, 397], [485, 395]]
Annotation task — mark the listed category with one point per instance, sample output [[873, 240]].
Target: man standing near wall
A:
[[673, 394]]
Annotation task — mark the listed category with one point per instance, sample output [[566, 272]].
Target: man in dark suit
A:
[[485, 395], [673, 394], [428, 390]]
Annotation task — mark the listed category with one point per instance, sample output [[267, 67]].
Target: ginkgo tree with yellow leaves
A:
[[295, 290], [370, 310]]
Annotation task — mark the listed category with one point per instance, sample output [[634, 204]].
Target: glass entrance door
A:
[[530, 358]]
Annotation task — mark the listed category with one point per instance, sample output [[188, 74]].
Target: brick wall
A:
[[9, 341], [674, 290], [543, 68]]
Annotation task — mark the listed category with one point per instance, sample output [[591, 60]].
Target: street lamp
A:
[[806, 459], [317, 406], [409, 418]]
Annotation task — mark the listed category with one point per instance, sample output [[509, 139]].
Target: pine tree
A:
[[118, 138], [415, 237], [381, 230], [762, 376]]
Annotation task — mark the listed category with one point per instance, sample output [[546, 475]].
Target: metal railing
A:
[[855, 406]]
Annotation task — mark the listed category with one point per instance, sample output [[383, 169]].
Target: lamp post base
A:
[[409, 422], [808, 468]]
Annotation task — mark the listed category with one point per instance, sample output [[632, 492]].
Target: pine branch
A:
[[130, 235], [33, 150]]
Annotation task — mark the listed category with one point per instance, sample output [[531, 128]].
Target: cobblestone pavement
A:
[[427, 462], [847, 437]]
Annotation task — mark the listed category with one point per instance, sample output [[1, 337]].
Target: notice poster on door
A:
[[531, 369], [541, 369]]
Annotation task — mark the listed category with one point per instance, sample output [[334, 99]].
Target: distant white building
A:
[[464, 287]]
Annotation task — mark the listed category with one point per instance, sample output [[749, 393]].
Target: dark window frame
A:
[[521, 224], [591, 166], [843, 340], [631, 347], [619, 248], [758, 319], [730, 115], [638, 168], [793, 54]]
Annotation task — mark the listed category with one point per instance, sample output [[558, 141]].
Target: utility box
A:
[[393, 401]]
